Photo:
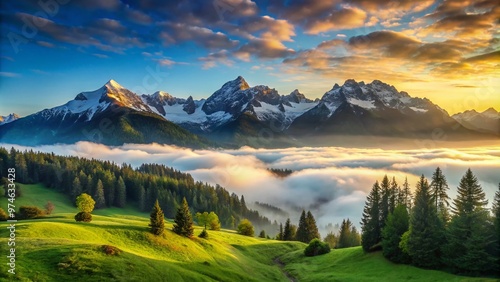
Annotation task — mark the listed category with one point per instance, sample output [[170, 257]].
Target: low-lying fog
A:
[[331, 181]]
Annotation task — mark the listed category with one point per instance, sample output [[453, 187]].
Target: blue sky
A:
[[447, 51]]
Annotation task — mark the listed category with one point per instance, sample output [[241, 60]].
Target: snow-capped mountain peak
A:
[[7, 119]]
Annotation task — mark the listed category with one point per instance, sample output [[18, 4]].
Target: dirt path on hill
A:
[[281, 265]]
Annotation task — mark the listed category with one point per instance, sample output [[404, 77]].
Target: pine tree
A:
[[438, 187], [183, 222], [393, 196], [426, 231], [312, 228], [407, 195], [344, 239], [302, 231], [287, 233], [468, 234], [100, 201], [384, 200], [370, 223], [397, 224], [496, 224], [121, 193], [280, 234], [76, 188], [141, 198], [156, 220]]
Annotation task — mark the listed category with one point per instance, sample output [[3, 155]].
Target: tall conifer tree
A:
[[469, 230], [183, 220], [156, 220], [370, 223], [426, 230]]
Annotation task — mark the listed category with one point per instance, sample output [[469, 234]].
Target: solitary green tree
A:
[[183, 222], [85, 203], [468, 233], [245, 228], [156, 219]]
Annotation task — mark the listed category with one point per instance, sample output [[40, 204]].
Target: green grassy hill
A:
[[57, 248]]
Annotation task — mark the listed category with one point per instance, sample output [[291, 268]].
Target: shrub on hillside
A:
[[49, 208], [28, 212], [110, 250], [83, 216], [3, 215], [203, 234], [245, 228], [316, 248]]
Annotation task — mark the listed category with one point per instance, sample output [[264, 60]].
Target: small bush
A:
[[28, 212], [245, 228], [110, 250], [203, 234], [49, 208], [83, 216], [3, 215], [316, 248]]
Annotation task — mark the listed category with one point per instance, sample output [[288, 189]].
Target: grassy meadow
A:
[[57, 248]]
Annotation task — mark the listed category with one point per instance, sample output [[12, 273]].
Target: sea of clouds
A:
[[332, 182]]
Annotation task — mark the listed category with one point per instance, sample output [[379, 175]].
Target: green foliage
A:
[[156, 220], [85, 203], [121, 193], [468, 234], [426, 230], [385, 192], [371, 233], [28, 212], [403, 244], [289, 231], [49, 208], [438, 188], [262, 234], [183, 220], [245, 228], [397, 224], [76, 188], [3, 215], [348, 235], [316, 248], [496, 224], [210, 220], [111, 250], [100, 200], [307, 229], [203, 234], [83, 216], [331, 240]]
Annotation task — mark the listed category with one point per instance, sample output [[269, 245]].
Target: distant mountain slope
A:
[[239, 114], [487, 121], [111, 115], [375, 109], [10, 118]]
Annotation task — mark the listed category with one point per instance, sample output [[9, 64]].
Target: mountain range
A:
[[238, 114]]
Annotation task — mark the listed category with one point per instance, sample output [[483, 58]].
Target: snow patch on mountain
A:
[[8, 119]]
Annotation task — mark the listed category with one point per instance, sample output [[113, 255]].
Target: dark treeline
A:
[[429, 230], [277, 211], [280, 172], [118, 185]]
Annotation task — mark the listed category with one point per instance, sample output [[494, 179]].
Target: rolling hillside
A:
[[57, 248]]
